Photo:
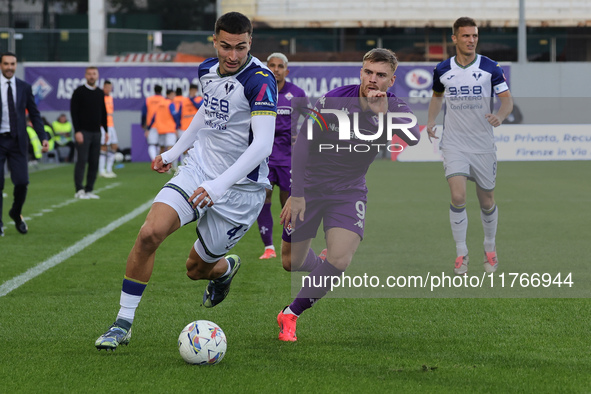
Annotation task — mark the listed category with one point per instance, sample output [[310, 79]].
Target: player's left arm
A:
[[261, 92], [505, 110], [263, 132]]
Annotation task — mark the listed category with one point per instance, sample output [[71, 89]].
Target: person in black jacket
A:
[[88, 111], [15, 99]]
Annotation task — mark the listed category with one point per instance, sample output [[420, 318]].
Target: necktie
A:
[[11, 111]]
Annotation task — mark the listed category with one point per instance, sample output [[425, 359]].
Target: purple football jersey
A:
[[325, 164], [292, 103]]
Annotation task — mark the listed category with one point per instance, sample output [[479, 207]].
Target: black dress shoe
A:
[[19, 223]]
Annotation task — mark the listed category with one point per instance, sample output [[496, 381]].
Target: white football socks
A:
[[129, 304], [458, 219], [490, 220]]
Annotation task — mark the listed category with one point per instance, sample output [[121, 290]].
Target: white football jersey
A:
[[229, 102], [468, 93]]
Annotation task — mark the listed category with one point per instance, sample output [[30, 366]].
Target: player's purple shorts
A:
[[286, 234], [344, 210], [280, 176]]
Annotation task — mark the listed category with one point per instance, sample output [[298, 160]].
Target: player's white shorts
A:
[[168, 139], [112, 136], [478, 167], [220, 226], [152, 136]]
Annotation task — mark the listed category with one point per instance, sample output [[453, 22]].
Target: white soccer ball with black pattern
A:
[[202, 342]]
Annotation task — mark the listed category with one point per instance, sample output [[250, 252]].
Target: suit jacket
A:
[[25, 101]]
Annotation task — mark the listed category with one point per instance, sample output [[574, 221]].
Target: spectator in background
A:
[[109, 140], [187, 107], [87, 108], [51, 139], [35, 147], [167, 122], [148, 120], [62, 129]]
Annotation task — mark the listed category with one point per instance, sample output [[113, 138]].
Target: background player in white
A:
[[468, 81], [222, 186], [109, 140]]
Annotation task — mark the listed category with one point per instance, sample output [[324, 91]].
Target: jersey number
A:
[[232, 233]]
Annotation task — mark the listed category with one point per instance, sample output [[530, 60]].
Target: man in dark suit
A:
[[15, 99]]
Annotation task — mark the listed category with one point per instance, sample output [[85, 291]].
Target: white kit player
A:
[[221, 186], [109, 140], [468, 81]]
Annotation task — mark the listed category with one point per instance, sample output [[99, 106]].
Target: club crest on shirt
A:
[[289, 96], [229, 86]]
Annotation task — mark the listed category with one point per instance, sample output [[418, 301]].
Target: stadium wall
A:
[[53, 84]]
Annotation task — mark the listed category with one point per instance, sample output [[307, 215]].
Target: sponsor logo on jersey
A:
[[265, 91], [265, 103], [283, 110], [262, 73]]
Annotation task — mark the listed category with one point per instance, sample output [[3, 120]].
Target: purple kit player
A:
[[329, 170], [292, 103]]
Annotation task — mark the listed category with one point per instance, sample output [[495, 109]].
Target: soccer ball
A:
[[119, 157], [202, 342]]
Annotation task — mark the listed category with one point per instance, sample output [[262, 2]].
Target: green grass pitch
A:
[[387, 343]]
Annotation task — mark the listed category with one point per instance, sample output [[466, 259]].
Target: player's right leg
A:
[[489, 215], [219, 229], [152, 139], [298, 256], [458, 219], [112, 149], [103, 155], [485, 172], [219, 271], [342, 244], [103, 161], [457, 171], [162, 220], [265, 223]]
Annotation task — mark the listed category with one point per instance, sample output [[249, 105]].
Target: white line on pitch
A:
[[65, 203], [31, 273]]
